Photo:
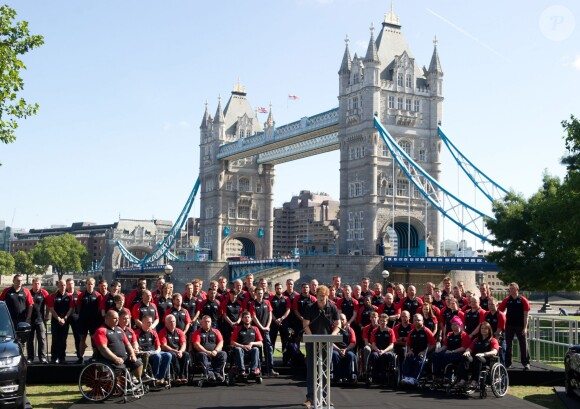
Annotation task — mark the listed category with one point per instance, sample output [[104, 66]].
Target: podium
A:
[[321, 360]]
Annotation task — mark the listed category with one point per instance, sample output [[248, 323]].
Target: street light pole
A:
[[385, 275]]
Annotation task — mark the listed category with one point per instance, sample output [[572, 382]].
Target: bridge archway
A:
[[403, 240], [239, 246]]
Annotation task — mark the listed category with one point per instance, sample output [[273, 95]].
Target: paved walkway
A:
[[286, 393]]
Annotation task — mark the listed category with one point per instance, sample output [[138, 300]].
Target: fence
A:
[[550, 338]]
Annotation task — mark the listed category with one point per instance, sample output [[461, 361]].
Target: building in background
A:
[[307, 224]]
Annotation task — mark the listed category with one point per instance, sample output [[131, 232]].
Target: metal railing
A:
[[549, 338]]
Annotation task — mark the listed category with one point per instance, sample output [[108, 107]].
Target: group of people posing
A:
[[450, 323]]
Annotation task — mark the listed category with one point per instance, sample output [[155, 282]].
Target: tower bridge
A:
[[387, 130], [380, 210]]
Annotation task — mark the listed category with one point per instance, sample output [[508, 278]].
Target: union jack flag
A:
[[292, 96], [262, 110]]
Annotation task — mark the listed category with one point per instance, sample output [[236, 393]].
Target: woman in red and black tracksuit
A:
[[483, 347]]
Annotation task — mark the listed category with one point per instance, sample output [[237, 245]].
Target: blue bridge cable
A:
[[419, 177], [484, 183], [169, 240]]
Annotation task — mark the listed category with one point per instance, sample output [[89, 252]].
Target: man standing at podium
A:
[[320, 318]]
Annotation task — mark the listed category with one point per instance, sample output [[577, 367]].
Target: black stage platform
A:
[[287, 393]]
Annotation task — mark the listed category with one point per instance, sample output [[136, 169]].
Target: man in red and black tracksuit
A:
[[18, 300], [208, 343], [231, 315], [210, 306], [246, 339], [343, 357], [73, 319], [473, 317], [420, 342], [145, 308], [172, 340], [516, 309], [382, 357], [402, 330], [281, 309], [90, 318], [112, 345], [300, 305], [391, 309], [261, 312], [411, 302], [61, 306], [182, 318], [38, 322]]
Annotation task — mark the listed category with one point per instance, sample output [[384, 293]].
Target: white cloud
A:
[[576, 63]]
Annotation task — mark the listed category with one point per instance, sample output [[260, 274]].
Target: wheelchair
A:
[[353, 370], [235, 374], [393, 373], [493, 376], [99, 380], [198, 366]]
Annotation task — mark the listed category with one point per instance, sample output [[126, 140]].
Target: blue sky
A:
[[122, 87]]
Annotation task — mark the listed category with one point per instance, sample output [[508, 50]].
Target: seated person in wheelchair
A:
[[343, 357], [114, 347], [420, 342], [246, 341], [172, 340], [207, 342], [454, 345], [382, 345], [482, 348], [150, 349]]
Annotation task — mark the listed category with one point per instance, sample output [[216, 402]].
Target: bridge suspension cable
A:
[[463, 215], [491, 190], [164, 246]]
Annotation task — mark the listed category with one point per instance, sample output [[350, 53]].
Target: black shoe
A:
[[43, 361], [56, 361], [29, 361], [79, 361]]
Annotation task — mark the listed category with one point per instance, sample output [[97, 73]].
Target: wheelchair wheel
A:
[[499, 380], [97, 382], [449, 374]]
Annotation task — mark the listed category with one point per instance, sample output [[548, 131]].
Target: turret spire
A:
[[372, 55], [205, 119], [435, 65], [346, 64], [219, 114]]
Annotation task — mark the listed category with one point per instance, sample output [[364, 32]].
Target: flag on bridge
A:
[[262, 110], [290, 96]]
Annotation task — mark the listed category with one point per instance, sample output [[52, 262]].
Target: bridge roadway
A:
[[287, 393], [239, 269]]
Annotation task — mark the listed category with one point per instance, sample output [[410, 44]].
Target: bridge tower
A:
[[380, 210], [236, 211]]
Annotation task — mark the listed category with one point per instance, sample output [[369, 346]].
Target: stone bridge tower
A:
[[236, 214], [381, 212]]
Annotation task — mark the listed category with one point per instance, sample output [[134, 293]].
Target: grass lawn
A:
[[52, 396], [540, 395]]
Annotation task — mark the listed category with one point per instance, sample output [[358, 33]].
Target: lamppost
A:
[[168, 269], [385, 275]]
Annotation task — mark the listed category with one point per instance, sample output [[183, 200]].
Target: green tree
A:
[[6, 263], [63, 252], [24, 265], [15, 40], [539, 237]]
